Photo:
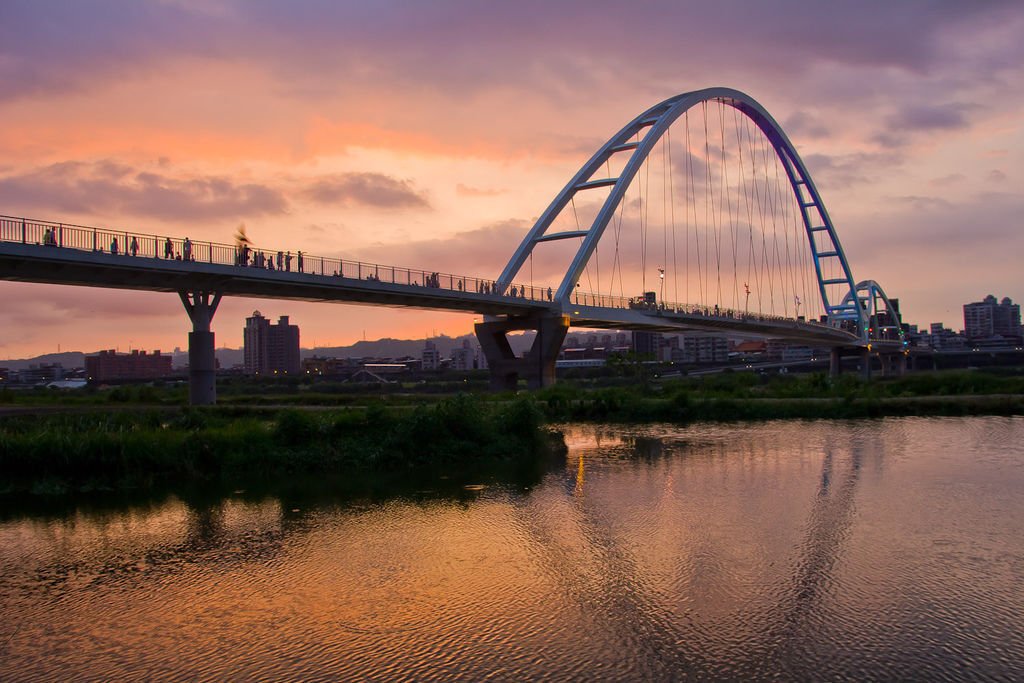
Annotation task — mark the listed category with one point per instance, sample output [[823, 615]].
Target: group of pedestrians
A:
[[131, 246], [282, 261], [169, 252], [246, 256]]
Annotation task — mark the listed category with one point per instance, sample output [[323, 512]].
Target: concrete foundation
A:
[[202, 362], [537, 367]]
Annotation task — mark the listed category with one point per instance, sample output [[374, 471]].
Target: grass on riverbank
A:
[[112, 445], [746, 396], [143, 448]]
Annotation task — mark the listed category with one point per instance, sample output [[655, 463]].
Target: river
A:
[[809, 550]]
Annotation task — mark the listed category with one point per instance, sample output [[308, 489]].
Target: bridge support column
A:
[[865, 364], [893, 364], [202, 363], [835, 361], [537, 367]]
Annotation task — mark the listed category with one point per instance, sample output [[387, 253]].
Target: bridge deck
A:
[[53, 265], [733, 324], [44, 252]]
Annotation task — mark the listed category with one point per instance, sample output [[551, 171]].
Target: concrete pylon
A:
[[835, 361], [537, 367], [865, 364], [202, 362], [894, 364]]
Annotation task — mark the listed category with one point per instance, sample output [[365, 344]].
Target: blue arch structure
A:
[[881, 319], [638, 138]]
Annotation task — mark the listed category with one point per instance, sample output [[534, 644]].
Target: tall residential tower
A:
[[271, 349]]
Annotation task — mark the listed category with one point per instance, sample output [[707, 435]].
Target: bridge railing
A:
[[668, 307], [162, 247]]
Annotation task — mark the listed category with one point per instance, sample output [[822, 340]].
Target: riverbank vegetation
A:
[[748, 396], [143, 436], [141, 448], [311, 392]]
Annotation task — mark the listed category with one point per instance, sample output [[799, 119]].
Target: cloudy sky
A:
[[432, 134]]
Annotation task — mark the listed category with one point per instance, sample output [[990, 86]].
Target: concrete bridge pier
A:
[[537, 367], [202, 363], [893, 364], [835, 361], [865, 365]]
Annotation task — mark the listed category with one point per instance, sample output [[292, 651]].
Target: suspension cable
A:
[[672, 204]]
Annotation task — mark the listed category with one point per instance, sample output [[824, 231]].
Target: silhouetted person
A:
[[288, 261], [186, 249], [113, 246], [134, 247], [168, 248], [298, 261]]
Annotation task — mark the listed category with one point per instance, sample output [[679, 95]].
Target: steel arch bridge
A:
[[855, 314], [859, 312]]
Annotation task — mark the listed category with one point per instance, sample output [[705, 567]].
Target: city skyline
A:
[[346, 133]]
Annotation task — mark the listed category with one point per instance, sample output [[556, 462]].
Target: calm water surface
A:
[[797, 550]]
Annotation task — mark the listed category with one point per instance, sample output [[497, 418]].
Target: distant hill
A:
[[381, 348], [68, 359], [397, 348]]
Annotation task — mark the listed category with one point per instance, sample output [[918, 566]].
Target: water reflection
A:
[[794, 550]]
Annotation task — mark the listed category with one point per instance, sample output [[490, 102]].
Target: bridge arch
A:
[[880, 318], [639, 137]]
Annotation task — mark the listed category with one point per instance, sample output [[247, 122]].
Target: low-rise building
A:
[[944, 339], [40, 373], [702, 350], [431, 357], [326, 367], [109, 365], [463, 357]]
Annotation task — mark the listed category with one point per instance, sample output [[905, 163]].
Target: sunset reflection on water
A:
[[797, 549]]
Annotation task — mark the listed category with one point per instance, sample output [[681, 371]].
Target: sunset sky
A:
[[432, 134]]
